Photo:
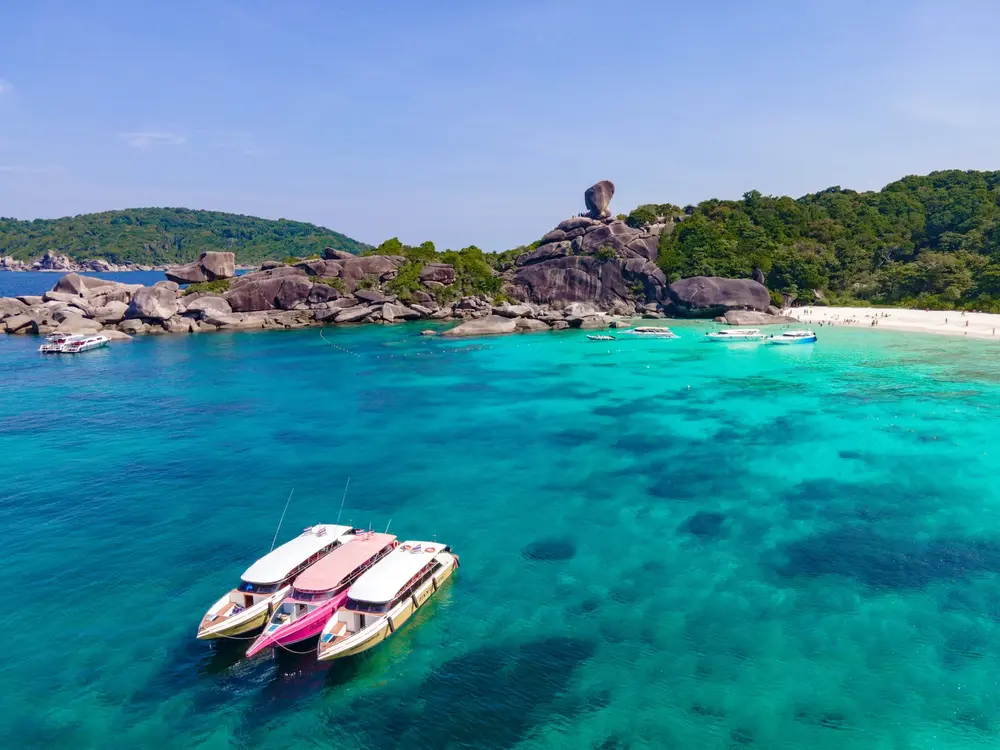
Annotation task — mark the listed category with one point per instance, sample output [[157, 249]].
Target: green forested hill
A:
[[929, 241], [151, 236]]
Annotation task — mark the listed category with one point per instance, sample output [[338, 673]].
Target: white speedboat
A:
[[600, 337], [649, 332], [61, 343], [736, 334], [793, 337]]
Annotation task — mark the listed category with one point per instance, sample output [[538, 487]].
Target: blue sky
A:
[[481, 123]]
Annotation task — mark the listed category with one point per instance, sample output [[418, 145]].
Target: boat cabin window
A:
[[376, 608], [258, 588], [311, 596]]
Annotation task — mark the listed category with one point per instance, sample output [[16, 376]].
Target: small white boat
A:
[[650, 332], [600, 337], [736, 334], [793, 337], [61, 343]]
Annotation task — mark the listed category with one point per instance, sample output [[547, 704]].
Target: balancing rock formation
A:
[[597, 197], [594, 259]]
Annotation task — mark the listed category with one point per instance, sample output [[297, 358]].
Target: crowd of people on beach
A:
[[875, 319]]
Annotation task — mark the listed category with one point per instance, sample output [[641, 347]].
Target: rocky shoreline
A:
[[585, 272]]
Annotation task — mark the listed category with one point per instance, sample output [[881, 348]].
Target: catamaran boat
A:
[[265, 583], [736, 334], [793, 337], [318, 592], [649, 332], [62, 343], [385, 597]]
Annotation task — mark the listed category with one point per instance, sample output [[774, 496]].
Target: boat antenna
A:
[[387, 526], [282, 518], [343, 499]]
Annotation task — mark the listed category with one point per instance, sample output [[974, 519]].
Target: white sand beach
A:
[[947, 322]]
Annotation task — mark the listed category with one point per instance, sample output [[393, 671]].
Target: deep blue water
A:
[[14, 283], [664, 544]]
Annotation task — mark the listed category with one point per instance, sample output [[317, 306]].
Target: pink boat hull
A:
[[300, 629]]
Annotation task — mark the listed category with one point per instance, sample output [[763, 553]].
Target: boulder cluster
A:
[[51, 261], [340, 288], [586, 270], [596, 259]]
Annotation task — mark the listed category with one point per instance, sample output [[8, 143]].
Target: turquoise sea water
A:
[[664, 543]]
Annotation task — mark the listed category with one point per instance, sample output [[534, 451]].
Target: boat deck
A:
[[214, 617], [336, 635]]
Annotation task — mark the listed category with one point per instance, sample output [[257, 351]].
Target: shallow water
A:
[[664, 543]]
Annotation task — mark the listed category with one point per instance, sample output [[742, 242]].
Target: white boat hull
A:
[[735, 339], [790, 342]]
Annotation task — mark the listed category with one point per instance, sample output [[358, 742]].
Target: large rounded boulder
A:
[[153, 302], [710, 296]]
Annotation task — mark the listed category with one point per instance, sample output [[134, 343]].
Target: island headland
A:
[[586, 272]]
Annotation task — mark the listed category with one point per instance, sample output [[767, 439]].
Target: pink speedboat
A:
[[321, 589]]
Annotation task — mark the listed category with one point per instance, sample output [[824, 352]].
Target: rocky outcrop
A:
[[443, 273], [209, 266], [9, 307], [597, 197], [197, 307], [276, 292], [330, 253], [21, 323], [153, 302], [488, 326], [392, 313], [593, 259], [52, 261], [709, 296], [614, 285]]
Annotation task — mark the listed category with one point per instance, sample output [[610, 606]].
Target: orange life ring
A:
[[407, 546], [430, 550]]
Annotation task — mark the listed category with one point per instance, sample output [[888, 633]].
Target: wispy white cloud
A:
[[5, 86], [144, 140]]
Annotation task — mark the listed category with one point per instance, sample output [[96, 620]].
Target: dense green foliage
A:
[[931, 241], [152, 236], [219, 286], [474, 273]]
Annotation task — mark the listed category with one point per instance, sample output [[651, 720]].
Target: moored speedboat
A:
[[248, 606], [600, 337], [386, 597], [650, 332], [736, 334], [793, 337], [319, 591], [72, 343]]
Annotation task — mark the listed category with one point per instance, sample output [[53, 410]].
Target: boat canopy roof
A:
[[353, 552], [651, 328], [393, 572], [739, 331], [277, 565]]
